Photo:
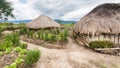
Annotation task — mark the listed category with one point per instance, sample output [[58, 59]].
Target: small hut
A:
[[102, 23], [42, 22]]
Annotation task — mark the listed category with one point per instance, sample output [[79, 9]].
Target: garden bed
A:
[[13, 53], [8, 59], [46, 44]]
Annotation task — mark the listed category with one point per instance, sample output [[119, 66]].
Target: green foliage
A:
[[46, 36], [32, 57], [6, 44], [8, 50], [64, 35], [50, 35], [1, 53], [17, 49], [39, 33], [19, 60], [6, 9], [31, 34], [23, 31], [52, 38], [13, 65], [23, 45], [101, 44], [13, 39], [1, 31]]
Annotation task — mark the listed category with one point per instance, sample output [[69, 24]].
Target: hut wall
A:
[[112, 38]]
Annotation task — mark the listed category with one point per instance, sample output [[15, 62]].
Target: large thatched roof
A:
[[104, 18], [42, 22]]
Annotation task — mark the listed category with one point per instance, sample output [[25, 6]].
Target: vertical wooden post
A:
[[118, 38], [114, 38], [88, 38]]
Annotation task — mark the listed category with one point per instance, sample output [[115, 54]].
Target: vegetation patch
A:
[[50, 35], [101, 44], [13, 53]]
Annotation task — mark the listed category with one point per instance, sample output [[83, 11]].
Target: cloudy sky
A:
[[56, 9]]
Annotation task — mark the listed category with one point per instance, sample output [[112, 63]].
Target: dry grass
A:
[[42, 22], [104, 18]]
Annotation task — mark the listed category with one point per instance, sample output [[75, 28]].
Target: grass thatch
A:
[[42, 22], [104, 18]]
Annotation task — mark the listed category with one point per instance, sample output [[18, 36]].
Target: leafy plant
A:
[[19, 60], [23, 31], [32, 57], [64, 35], [8, 50], [15, 39], [12, 39], [1, 53], [39, 33], [17, 49], [13, 65], [31, 34], [23, 45], [46, 36], [52, 38]]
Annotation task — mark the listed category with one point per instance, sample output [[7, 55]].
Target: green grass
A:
[[32, 57], [10, 26]]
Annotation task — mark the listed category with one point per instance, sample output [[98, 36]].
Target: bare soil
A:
[[7, 59], [74, 56]]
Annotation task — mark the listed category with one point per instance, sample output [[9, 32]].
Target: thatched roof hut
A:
[[42, 22], [104, 19]]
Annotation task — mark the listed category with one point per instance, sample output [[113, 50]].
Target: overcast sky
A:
[[56, 9]]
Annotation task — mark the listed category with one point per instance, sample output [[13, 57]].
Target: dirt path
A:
[[74, 56]]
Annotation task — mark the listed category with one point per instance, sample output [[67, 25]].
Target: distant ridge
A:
[[17, 21], [26, 21], [65, 22]]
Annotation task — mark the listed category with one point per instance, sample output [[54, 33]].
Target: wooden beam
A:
[[118, 38], [114, 38], [100, 49]]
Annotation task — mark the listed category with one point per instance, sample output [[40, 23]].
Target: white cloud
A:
[[56, 9]]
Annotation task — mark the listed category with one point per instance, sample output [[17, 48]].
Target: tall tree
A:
[[5, 9]]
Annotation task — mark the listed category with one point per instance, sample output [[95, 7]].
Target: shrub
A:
[[31, 34], [8, 50], [1, 31], [46, 36], [64, 35], [23, 45], [1, 53], [23, 31], [17, 49], [32, 57], [101, 44], [38, 33], [42, 34], [13, 65], [52, 38], [13, 39]]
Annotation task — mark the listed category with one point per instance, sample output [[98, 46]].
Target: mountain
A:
[[17, 21], [26, 21], [65, 22]]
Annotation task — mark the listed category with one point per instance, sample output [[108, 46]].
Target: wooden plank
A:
[[101, 49]]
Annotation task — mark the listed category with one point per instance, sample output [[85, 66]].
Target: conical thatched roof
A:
[[104, 18], [42, 22]]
